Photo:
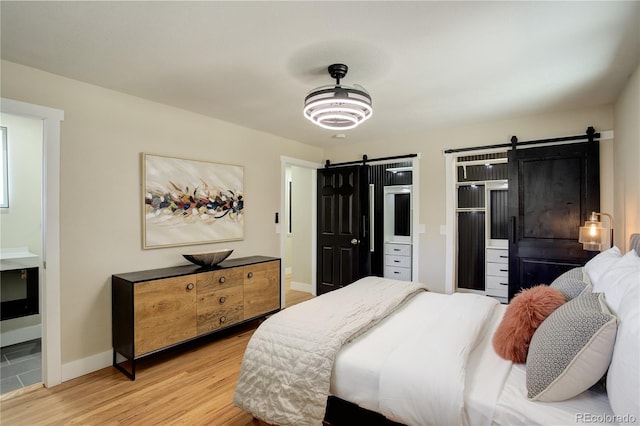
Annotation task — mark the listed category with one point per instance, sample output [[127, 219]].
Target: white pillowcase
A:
[[618, 279], [623, 378], [600, 264]]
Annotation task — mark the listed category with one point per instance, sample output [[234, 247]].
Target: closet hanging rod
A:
[[366, 159], [590, 136]]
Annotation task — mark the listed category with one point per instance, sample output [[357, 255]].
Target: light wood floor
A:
[[293, 297], [189, 385]]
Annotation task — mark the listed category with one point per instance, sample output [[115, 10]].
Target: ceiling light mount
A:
[[338, 107], [338, 71]]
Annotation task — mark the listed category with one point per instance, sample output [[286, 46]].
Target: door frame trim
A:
[[284, 163], [51, 327]]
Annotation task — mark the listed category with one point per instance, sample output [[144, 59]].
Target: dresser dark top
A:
[[176, 271]]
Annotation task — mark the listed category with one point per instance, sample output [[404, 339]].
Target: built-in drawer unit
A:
[[497, 275], [402, 274], [397, 261]]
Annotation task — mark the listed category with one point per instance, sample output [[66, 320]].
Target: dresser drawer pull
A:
[[396, 249], [396, 261], [222, 280], [223, 319], [504, 283], [504, 257], [250, 275], [189, 286], [222, 300], [504, 270]]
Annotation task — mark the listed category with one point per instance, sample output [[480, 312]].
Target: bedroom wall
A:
[[432, 167], [627, 160], [102, 136]]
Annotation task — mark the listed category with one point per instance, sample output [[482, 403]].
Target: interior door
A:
[[343, 245], [552, 190]]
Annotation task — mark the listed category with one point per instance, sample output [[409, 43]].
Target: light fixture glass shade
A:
[[594, 236], [338, 107]]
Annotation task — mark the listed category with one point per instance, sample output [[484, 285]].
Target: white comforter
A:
[[287, 365], [422, 382]]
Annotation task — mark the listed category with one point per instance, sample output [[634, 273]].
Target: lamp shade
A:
[[593, 235], [338, 106]]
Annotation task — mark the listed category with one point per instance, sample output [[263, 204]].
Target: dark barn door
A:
[[552, 190], [343, 244]]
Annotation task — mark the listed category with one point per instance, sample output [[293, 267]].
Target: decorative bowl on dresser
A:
[[157, 309], [211, 258]]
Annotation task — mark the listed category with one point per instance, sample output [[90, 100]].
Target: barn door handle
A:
[[364, 226], [372, 195], [513, 229]]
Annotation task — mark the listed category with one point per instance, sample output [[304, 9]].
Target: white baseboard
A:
[[87, 365], [20, 335], [307, 288]]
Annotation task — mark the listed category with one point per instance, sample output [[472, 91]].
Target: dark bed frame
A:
[[343, 413]]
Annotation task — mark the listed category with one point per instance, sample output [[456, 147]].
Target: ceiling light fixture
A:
[[338, 107]]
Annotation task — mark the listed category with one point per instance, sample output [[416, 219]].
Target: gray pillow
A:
[[570, 284], [571, 350]]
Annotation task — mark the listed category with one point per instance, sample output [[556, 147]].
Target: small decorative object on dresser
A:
[[156, 309], [211, 258]]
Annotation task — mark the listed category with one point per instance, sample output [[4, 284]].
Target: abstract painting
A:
[[189, 202]]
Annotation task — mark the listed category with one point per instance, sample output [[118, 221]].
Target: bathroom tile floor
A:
[[20, 365]]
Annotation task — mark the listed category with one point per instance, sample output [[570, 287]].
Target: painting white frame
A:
[[188, 202]]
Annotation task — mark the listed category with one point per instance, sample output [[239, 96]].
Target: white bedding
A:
[[590, 407], [495, 391], [360, 365]]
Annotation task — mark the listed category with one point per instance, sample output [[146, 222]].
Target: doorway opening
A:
[[21, 252], [49, 233], [297, 229], [360, 208]]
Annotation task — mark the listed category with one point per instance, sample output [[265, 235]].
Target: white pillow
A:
[[623, 378], [600, 264], [616, 281]]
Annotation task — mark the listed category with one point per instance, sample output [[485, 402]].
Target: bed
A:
[[419, 358]]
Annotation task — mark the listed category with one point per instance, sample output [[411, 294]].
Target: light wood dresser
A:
[[157, 309]]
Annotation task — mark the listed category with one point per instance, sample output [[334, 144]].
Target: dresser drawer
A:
[[400, 261], [499, 292], [398, 249], [498, 269], [497, 256], [219, 308], [217, 280], [402, 274], [497, 282]]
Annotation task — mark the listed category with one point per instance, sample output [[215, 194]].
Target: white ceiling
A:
[[425, 64]]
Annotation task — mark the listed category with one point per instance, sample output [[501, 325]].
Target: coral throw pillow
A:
[[521, 319]]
